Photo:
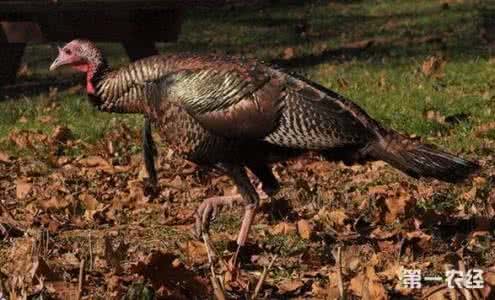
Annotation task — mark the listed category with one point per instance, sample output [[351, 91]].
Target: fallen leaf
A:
[[167, 279], [23, 188], [196, 252], [114, 257], [471, 194], [63, 160], [391, 272], [379, 234], [4, 157], [421, 239], [335, 217], [398, 206], [70, 261], [304, 229], [442, 294], [25, 267], [436, 116], [284, 228], [63, 289], [289, 286], [433, 67], [90, 202], [46, 119], [343, 84], [60, 134], [136, 197], [393, 202], [97, 162], [288, 53], [35, 168], [378, 189], [484, 128], [55, 202], [367, 285]]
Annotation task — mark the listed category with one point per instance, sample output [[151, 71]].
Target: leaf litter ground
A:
[[70, 205], [62, 212]]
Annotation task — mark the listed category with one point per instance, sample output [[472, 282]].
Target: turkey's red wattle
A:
[[89, 86], [89, 69]]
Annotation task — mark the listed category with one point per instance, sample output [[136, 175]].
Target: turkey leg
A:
[[208, 210], [247, 195], [136, 51], [149, 153], [269, 184]]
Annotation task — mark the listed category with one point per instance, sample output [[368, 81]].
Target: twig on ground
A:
[[340, 281], [47, 240], [4, 230], [173, 186], [10, 219], [90, 252], [81, 279], [7, 212], [263, 277], [439, 288], [217, 288], [401, 248]]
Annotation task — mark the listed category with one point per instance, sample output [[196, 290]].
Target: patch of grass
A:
[[227, 222], [385, 78], [72, 111], [286, 244]]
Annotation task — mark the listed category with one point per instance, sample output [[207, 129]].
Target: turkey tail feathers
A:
[[421, 160]]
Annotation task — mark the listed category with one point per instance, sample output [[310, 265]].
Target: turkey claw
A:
[[208, 211]]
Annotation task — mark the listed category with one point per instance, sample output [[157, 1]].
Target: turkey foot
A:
[[208, 211], [210, 207], [151, 189], [248, 196]]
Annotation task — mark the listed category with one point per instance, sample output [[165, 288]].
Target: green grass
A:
[[385, 79], [73, 111]]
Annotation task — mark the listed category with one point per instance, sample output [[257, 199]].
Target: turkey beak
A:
[[59, 61]]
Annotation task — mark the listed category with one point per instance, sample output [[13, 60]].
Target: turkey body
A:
[[234, 114], [214, 109]]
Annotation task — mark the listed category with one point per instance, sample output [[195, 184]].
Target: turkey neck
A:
[[94, 75], [108, 93]]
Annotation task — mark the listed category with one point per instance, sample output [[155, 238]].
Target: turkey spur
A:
[[236, 114]]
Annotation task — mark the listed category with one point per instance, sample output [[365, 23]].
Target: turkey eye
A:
[[68, 52]]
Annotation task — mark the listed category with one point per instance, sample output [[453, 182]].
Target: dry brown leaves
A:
[[93, 207], [433, 67], [4, 157], [288, 53], [368, 286], [304, 229], [394, 201], [290, 286], [170, 278], [284, 228], [23, 187]]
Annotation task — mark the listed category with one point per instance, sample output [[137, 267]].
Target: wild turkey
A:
[[233, 114]]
